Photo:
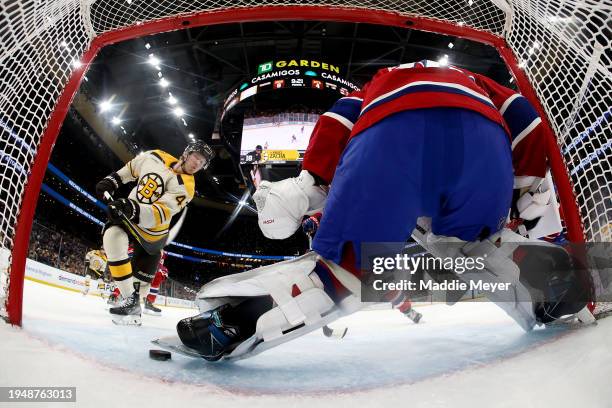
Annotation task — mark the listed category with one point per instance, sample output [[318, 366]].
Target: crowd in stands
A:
[[57, 249]]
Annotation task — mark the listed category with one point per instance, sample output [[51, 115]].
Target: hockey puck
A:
[[160, 355]]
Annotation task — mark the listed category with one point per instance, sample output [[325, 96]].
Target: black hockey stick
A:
[[150, 248]]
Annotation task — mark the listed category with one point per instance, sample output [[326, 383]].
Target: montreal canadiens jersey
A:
[[160, 192], [422, 85]]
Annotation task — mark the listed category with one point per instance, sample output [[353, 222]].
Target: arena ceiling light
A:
[[105, 106], [451, 45], [191, 135], [153, 60], [171, 99], [163, 83], [443, 60], [178, 111], [116, 120], [76, 63]]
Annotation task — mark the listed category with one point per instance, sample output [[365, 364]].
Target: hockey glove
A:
[[311, 224], [281, 205], [109, 183], [129, 208]]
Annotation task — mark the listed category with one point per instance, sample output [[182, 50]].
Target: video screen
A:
[[278, 138]]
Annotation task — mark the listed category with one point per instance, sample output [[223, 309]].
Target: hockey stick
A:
[[328, 331], [335, 333], [150, 248]]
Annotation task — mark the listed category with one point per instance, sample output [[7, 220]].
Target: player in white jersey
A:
[[95, 265], [165, 185]]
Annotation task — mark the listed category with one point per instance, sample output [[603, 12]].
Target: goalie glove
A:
[[281, 205], [124, 206]]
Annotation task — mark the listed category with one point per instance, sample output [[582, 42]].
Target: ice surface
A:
[[470, 354]]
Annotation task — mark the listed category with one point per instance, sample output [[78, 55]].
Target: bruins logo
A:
[[150, 188]]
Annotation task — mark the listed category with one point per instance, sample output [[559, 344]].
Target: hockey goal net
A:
[[557, 50]]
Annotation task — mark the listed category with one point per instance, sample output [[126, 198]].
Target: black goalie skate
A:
[[128, 313], [208, 334], [217, 332]]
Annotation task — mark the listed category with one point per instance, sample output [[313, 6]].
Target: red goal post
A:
[[557, 51]]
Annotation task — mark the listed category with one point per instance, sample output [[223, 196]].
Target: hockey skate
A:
[[414, 316], [150, 309], [129, 312], [210, 335]]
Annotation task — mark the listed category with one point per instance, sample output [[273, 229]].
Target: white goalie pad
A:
[[292, 316], [499, 267]]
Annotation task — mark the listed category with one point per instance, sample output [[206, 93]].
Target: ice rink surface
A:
[[470, 354]]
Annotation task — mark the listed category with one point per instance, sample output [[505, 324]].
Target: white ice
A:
[[470, 354]]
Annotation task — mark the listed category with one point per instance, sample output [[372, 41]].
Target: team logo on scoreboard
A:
[[150, 188], [316, 84], [279, 83]]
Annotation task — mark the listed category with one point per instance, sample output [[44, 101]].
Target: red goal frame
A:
[[563, 183]]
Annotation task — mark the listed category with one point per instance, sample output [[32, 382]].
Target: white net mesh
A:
[[564, 46]]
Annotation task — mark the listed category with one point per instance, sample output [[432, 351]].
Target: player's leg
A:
[[145, 268], [155, 284], [116, 243], [149, 307], [477, 201]]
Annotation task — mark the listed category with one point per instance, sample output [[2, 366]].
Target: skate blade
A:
[[173, 343], [152, 313], [127, 320]]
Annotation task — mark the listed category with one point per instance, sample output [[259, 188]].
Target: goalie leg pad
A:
[[301, 304]]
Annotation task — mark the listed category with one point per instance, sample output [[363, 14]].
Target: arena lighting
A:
[[164, 83], [105, 106], [178, 111], [116, 120], [76, 63], [451, 45], [443, 60], [147, 46], [172, 100], [153, 60], [159, 74], [191, 135]]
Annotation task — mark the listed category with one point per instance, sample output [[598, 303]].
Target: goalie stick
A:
[[335, 333], [328, 331]]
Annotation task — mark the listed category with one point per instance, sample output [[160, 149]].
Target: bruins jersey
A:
[[96, 260], [160, 192]]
